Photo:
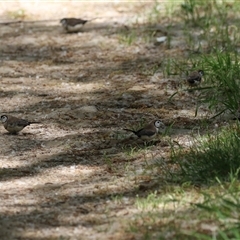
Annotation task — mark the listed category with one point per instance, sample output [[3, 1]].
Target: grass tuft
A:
[[211, 157], [222, 76]]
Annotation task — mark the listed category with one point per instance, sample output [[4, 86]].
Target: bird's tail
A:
[[33, 122], [129, 130], [92, 19]]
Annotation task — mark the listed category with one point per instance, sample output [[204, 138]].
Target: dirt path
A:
[[76, 175]]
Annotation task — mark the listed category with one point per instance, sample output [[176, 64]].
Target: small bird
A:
[[13, 124], [149, 131], [73, 24], [195, 78]]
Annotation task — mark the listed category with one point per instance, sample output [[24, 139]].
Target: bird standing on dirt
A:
[[73, 24], [195, 78], [13, 124], [149, 131]]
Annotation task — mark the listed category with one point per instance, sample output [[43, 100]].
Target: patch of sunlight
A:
[[83, 87], [178, 201]]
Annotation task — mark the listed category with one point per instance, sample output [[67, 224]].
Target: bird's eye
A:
[[159, 124], [4, 118]]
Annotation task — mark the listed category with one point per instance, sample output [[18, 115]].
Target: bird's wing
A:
[[194, 77], [145, 132], [192, 80], [75, 21], [22, 123]]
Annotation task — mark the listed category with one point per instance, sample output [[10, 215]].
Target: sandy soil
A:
[[74, 175]]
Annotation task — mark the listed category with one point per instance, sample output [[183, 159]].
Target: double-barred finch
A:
[[195, 78], [13, 124], [73, 24], [149, 131]]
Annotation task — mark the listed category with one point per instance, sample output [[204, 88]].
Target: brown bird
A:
[[13, 124], [73, 24], [195, 78], [148, 131]]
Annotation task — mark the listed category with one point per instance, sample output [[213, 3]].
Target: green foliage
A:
[[128, 37], [212, 24], [155, 14], [202, 13], [220, 88], [210, 157], [223, 78], [224, 207]]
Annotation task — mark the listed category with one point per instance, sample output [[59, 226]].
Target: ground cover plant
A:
[[78, 174]]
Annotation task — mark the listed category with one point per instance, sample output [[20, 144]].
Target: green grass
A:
[[128, 37], [183, 212], [215, 155], [220, 90], [192, 214], [223, 207], [222, 77], [213, 20], [200, 200]]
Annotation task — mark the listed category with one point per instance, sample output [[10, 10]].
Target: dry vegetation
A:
[[77, 174]]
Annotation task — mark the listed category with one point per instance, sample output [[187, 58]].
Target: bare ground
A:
[[73, 176]]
